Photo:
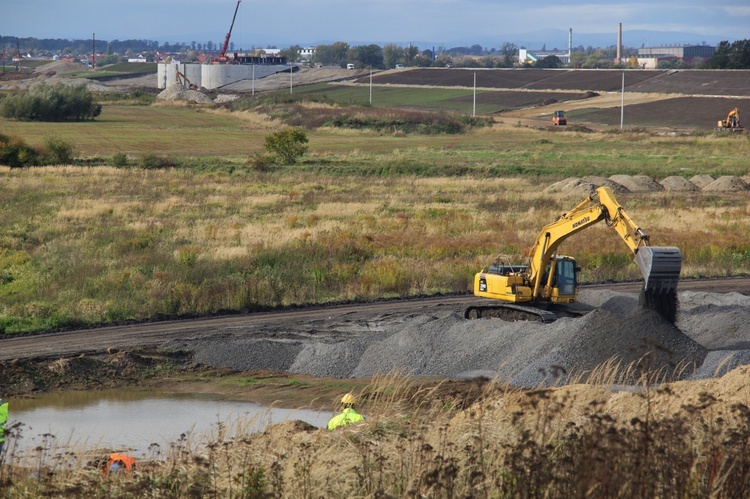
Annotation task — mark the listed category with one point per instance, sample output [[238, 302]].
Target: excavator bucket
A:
[[660, 266]]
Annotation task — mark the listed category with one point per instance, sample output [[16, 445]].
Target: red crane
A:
[[223, 56]]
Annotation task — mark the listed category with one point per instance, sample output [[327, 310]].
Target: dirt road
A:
[[286, 324]]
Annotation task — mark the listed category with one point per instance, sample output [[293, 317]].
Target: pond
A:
[[144, 423]]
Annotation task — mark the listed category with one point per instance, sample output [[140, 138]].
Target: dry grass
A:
[[672, 440], [112, 244]]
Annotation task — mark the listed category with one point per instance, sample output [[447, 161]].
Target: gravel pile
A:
[[224, 98], [677, 183], [643, 183], [727, 183], [573, 185], [701, 180], [710, 337], [638, 183], [175, 92], [600, 181]]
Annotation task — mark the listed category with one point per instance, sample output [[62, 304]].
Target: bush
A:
[[287, 144], [119, 160], [52, 103], [58, 152], [15, 153], [154, 162], [259, 162]]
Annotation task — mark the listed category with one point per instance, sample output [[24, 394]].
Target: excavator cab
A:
[[563, 287]]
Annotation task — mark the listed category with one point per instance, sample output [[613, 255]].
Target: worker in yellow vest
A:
[[3, 420], [348, 414]]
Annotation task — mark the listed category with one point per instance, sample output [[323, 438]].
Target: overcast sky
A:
[[310, 22]]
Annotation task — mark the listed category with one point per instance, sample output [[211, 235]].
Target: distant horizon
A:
[[530, 44], [424, 23]]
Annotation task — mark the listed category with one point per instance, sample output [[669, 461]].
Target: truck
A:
[[540, 288]]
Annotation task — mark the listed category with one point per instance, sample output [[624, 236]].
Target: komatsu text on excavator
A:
[[531, 291]]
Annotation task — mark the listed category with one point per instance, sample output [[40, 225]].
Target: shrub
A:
[[15, 153], [287, 144], [260, 162], [119, 160], [154, 162], [52, 103], [58, 151]]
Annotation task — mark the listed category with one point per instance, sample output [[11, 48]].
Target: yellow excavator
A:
[[534, 290], [732, 122], [184, 82]]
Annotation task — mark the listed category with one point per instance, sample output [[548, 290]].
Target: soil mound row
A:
[[643, 183], [615, 332]]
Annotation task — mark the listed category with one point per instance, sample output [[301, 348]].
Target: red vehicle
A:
[[559, 118]]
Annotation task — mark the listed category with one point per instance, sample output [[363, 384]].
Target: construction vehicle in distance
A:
[[185, 82], [559, 118], [732, 122], [223, 54], [548, 281]]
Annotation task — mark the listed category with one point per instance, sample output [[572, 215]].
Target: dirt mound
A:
[[60, 67], [616, 187], [588, 95], [701, 180], [573, 185], [175, 92], [727, 183], [677, 183], [638, 183]]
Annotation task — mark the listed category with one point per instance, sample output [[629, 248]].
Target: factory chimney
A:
[[619, 44], [570, 43]]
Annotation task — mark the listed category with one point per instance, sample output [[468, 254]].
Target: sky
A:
[[446, 23]]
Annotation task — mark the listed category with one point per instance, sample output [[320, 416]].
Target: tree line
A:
[[735, 55]]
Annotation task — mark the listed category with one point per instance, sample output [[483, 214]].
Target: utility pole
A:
[[622, 102], [93, 51], [474, 113]]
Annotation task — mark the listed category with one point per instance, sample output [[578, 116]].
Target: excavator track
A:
[[511, 313]]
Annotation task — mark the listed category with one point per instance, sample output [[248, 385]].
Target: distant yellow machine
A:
[[732, 122], [534, 290], [183, 80]]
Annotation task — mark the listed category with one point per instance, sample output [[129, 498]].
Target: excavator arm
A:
[[660, 266]]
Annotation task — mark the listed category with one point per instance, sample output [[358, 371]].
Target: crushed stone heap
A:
[[175, 92], [528, 354]]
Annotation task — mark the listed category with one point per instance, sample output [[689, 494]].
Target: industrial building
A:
[[526, 56], [649, 57], [679, 51], [214, 76]]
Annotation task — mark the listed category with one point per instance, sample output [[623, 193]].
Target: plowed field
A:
[[670, 100]]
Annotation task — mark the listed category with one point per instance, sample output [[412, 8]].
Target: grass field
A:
[[363, 215]]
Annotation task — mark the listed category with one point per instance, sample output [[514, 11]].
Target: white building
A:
[[306, 53]]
